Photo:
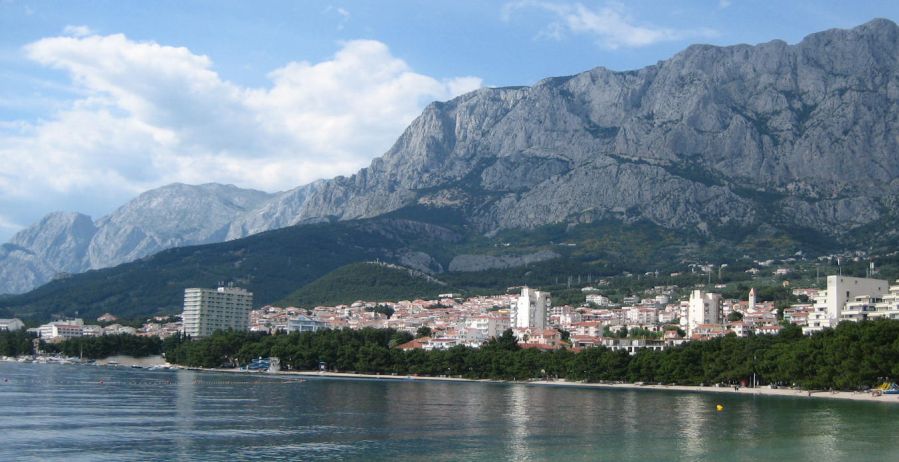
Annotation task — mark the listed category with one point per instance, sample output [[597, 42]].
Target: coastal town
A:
[[656, 318]]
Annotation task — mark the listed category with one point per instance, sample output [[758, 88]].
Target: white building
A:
[[598, 300], [303, 323], [531, 309], [641, 315], [118, 329], [704, 308], [830, 303], [91, 330], [888, 307], [488, 325], [11, 324], [752, 296], [62, 329], [208, 310]]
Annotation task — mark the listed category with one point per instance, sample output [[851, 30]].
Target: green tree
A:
[[423, 331], [735, 316]]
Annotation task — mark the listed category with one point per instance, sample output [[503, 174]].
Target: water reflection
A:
[[518, 418], [52, 412], [184, 418], [691, 425]]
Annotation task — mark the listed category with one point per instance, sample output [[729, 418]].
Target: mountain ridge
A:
[[800, 137]]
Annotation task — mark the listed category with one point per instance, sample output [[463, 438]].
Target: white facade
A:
[[888, 307], [599, 300], [641, 315], [841, 290], [11, 324], [751, 306], [489, 325], [208, 310], [531, 309], [92, 330], [305, 324], [704, 308], [62, 329]]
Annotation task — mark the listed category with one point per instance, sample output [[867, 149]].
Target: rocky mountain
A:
[[802, 138], [171, 216], [798, 135]]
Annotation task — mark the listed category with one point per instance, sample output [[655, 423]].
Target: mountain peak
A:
[[773, 136]]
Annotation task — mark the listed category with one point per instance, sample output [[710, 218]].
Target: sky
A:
[[102, 100]]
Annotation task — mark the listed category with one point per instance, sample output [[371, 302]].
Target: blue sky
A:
[[102, 100]]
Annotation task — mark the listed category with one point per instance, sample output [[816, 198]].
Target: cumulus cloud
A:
[[153, 114], [611, 25]]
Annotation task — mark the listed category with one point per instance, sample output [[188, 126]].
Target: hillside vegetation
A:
[[278, 265], [365, 281]]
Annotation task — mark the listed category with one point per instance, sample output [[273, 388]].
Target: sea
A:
[[75, 412]]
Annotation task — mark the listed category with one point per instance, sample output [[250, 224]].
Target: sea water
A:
[[69, 412]]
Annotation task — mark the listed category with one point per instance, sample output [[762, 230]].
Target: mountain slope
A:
[[366, 281], [171, 216], [800, 135], [799, 139], [275, 264], [271, 265]]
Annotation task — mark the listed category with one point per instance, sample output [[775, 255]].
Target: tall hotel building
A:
[[531, 309], [208, 310]]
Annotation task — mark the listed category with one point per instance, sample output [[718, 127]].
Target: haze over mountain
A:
[[171, 216], [793, 137]]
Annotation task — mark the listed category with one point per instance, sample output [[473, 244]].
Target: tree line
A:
[[851, 356], [19, 343], [103, 346]]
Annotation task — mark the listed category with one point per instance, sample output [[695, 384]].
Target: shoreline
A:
[[743, 391], [723, 390]]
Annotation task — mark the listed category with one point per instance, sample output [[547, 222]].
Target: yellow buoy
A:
[[719, 407]]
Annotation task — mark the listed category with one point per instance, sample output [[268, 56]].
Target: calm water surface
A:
[[60, 412]]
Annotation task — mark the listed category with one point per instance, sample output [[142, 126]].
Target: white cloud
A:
[[154, 114], [77, 31], [611, 25], [724, 3]]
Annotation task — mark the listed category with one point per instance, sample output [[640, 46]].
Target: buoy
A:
[[719, 407]]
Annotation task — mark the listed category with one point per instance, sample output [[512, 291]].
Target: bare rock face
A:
[[60, 240], [22, 270], [171, 216], [803, 135], [713, 136]]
